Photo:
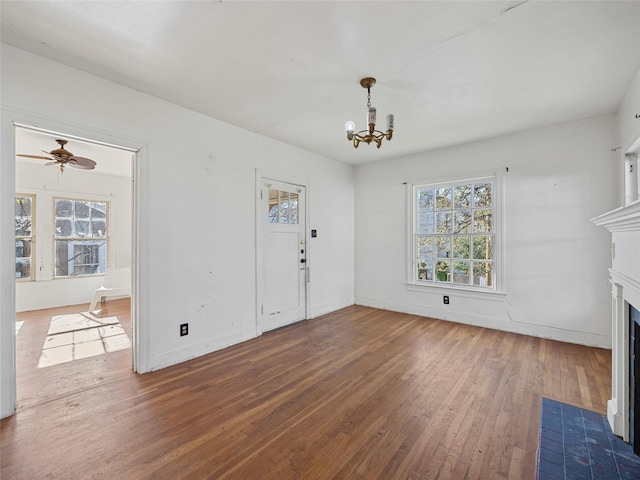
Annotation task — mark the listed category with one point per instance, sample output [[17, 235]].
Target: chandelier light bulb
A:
[[371, 116], [390, 121], [350, 126]]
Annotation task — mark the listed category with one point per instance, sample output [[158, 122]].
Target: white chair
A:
[[116, 283]]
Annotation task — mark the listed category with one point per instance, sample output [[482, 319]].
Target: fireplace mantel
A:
[[623, 219], [624, 225]]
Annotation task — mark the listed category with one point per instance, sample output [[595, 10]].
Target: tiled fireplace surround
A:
[[624, 225]]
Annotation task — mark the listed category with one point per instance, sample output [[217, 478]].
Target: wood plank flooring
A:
[[357, 394]]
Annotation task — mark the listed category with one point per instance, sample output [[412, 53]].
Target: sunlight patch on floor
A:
[[19, 326], [81, 335]]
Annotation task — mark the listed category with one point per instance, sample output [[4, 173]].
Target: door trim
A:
[[262, 176]]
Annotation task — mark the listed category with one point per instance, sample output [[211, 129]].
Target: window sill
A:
[[459, 291]]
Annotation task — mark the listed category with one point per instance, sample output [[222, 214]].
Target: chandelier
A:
[[371, 134]]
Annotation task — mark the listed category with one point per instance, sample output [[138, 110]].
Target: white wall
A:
[[629, 124], [47, 183], [555, 260], [196, 207], [627, 243]]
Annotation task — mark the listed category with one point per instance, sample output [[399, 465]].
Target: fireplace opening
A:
[[634, 378]]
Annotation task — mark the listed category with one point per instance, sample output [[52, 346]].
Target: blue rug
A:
[[578, 444]]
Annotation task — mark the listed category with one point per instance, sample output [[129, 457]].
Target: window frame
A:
[[31, 237], [412, 281], [80, 240]]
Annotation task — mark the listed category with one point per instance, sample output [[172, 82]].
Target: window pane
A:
[[82, 209], [23, 227], [461, 247], [482, 220], [443, 247], [443, 199], [80, 257], [482, 274], [425, 247], [81, 228], [23, 216], [426, 199], [98, 228], [273, 206], [443, 222], [425, 222], [284, 208], [425, 270], [23, 268], [443, 270], [98, 210], [482, 195], [23, 248], [23, 207], [462, 196], [461, 273], [462, 222], [483, 248], [64, 208], [293, 208], [63, 228]]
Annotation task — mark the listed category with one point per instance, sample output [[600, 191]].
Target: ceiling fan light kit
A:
[[62, 157], [371, 134]]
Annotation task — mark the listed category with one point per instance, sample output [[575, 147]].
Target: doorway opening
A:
[[73, 224]]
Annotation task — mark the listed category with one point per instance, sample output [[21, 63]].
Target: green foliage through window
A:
[[454, 233]]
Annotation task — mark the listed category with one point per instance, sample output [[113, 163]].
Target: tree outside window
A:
[[453, 235]]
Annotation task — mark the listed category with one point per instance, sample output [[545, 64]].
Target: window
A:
[[454, 234], [25, 208], [283, 207], [80, 238]]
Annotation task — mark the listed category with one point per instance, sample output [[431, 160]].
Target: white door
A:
[[282, 254]]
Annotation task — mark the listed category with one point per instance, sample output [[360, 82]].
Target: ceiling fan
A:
[[63, 157]]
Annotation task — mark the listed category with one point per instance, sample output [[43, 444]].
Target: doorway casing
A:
[[10, 120]]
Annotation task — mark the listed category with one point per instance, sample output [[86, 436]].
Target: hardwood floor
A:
[[359, 393]]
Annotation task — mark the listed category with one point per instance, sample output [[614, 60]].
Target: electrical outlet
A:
[[184, 329], [445, 299]]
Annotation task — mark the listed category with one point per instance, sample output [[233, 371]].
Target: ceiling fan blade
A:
[[39, 157], [82, 163], [51, 163], [81, 167]]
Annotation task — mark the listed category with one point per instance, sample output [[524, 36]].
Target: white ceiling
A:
[[451, 72]]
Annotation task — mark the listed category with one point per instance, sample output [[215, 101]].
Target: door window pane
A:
[[283, 207], [273, 206], [293, 208]]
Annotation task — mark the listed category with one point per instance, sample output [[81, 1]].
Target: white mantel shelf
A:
[[623, 219]]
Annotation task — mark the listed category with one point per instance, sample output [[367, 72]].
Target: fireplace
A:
[[623, 409]]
